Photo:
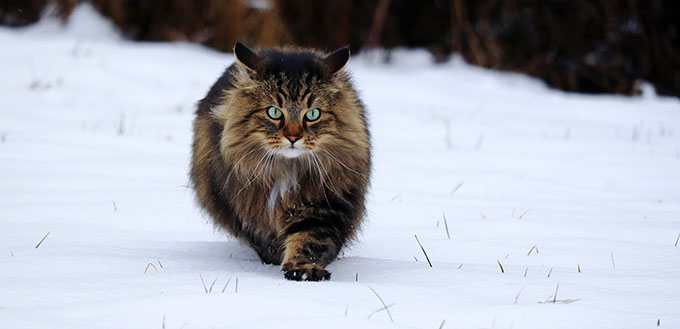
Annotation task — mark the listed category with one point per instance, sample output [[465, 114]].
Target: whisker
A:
[[342, 164], [321, 179], [237, 163], [255, 174], [330, 184]]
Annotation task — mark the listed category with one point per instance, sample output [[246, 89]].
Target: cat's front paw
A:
[[305, 272]]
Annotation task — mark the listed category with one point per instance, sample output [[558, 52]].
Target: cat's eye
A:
[[274, 113], [313, 115]]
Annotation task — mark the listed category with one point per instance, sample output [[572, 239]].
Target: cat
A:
[[282, 156]]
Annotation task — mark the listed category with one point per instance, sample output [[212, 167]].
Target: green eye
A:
[[313, 115], [274, 113]]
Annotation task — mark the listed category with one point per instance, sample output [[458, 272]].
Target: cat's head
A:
[[290, 103]]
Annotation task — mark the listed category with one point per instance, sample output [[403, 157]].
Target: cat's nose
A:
[[294, 138]]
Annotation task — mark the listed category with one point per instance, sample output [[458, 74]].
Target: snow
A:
[[95, 137]]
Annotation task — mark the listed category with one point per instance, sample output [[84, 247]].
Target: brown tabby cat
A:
[[282, 156]]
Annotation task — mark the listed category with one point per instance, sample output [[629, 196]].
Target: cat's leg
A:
[[306, 256], [268, 254], [314, 240]]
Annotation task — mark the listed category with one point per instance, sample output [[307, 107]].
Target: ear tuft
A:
[[246, 57], [337, 60]]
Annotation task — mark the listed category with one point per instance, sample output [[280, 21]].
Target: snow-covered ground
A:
[[568, 190]]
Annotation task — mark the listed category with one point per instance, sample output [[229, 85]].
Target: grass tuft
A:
[[380, 310], [532, 249], [519, 293], [225, 285], [385, 307], [203, 283], [455, 189], [154, 267], [212, 285], [43, 239], [423, 249], [522, 215], [480, 141]]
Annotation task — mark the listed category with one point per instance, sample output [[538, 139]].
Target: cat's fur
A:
[[298, 207]]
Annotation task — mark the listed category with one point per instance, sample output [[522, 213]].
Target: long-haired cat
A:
[[282, 156]]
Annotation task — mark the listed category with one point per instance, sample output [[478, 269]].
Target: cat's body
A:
[[281, 156]]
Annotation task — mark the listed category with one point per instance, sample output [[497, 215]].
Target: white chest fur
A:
[[279, 191]]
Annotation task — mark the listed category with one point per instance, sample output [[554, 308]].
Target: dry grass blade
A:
[[446, 225], [160, 264], [455, 189], [203, 283], [677, 239], [500, 265], [442, 325], [423, 249], [517, 297], [148, 266], [383, 303], [236, 286], [225, 285], [114, 206], [211, 285], [525, 271], [532, 249], [379, 310], [550, 272], [522, 215], [480, 141], [578, 267], [554, 300], [613, 263], [43, 239]]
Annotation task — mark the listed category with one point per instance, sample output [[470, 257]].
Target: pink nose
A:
[[293, 138]]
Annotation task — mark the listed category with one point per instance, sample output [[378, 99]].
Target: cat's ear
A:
[[246, 57], [337, 60]]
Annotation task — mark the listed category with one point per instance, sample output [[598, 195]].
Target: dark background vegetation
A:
[[575, 45]]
